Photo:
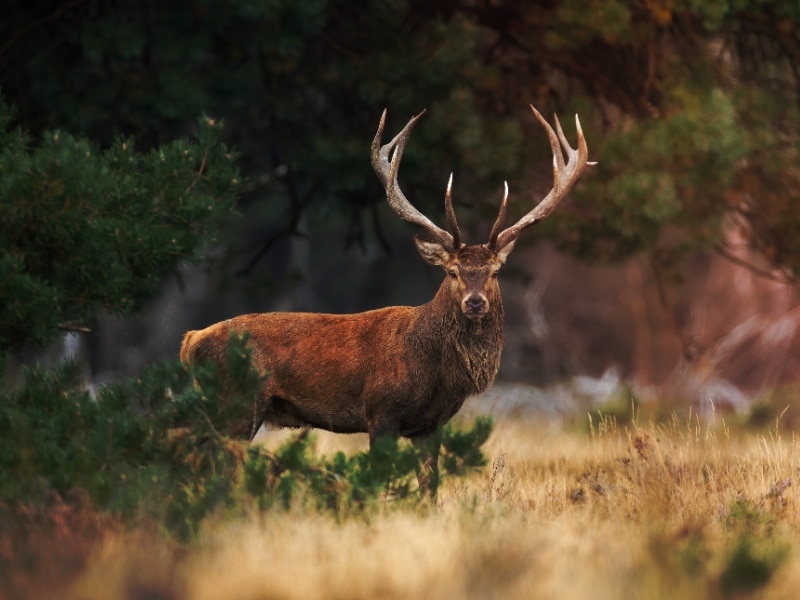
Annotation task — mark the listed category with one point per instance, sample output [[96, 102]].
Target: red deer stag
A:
[[400, 370]]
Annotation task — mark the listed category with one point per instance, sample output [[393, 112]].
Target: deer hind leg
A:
[[428, 466]]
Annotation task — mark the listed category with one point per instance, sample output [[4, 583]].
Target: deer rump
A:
[[387, 372]]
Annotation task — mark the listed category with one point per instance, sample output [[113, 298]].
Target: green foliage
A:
[[313, 76], [345, 485], [348, 485], [151, 448], [133, 447], [585, 20], [301, 85], [757, 550], [689, 106], [667, 171], [777, 409], [461, 450], [745, 571], [86, 230]]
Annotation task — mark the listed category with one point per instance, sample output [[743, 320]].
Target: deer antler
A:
[[501, 218], [387, 169], [564, 176]]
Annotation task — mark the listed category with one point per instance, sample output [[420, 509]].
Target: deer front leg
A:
[[428, 467]]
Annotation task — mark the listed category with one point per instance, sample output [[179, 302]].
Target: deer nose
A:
[[474, 305]]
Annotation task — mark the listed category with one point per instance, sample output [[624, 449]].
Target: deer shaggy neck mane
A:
[[466, 350]]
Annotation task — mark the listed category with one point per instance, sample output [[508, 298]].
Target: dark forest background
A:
[[246, 128]]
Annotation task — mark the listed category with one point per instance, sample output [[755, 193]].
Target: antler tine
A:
[[560, 132], [555, 139], [387, 169], [451, 215], [564, 176], [501, 219]]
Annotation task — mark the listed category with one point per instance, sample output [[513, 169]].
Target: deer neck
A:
[[470, 348]]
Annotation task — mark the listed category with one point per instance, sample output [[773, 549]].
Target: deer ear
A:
[[503, 253], [433, 252]]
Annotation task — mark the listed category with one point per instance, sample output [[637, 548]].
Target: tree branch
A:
[[755, 269]]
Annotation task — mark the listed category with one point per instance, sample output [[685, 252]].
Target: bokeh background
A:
[[671, 267]]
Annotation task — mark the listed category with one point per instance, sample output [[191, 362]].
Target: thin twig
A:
[[67, 326], [203, 162], [755, 269]]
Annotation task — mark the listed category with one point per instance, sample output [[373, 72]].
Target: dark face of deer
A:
[[471, 275]]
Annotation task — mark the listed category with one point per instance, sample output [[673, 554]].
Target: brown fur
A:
[[396, 371]]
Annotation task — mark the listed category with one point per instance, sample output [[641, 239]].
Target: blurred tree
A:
[[690, 107], [86, 231], [301, 86], [699, 103]]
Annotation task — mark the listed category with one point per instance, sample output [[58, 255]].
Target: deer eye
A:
[[452, 273]]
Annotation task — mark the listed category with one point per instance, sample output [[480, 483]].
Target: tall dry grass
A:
[[677, 510]]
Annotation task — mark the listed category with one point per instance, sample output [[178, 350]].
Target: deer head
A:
[[472, 269]]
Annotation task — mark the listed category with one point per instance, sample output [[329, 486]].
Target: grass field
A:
[[682, 509]]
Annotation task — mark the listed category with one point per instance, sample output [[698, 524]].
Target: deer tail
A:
[[187, 353]]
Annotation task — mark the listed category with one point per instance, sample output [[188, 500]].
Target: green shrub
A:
[[155, 448]]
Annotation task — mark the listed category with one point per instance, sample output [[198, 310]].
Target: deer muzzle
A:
[[474, 306]]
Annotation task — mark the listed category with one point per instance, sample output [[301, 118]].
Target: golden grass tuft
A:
[[682, 510]]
